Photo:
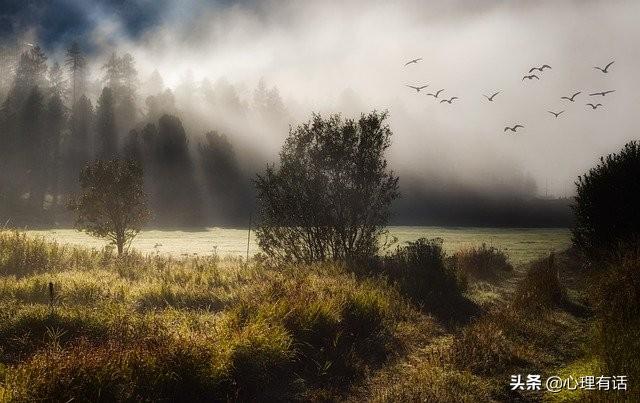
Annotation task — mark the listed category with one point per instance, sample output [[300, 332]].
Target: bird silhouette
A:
[[594, 106], [449, 101], [514, 128], [603, 93], [437, 93], [413, 61], [492, 96], [572, 97], [531, 77], [417, 88], [556, 114], [606, 68], [540, 69]]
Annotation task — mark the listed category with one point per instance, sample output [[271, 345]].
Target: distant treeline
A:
[[54, 118], [473, 210]]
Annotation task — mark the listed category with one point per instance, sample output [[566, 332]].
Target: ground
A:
[[203, 328]]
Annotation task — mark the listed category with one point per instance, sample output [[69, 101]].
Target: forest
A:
[[57, 117]]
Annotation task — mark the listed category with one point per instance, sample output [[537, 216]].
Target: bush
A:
[[606, 204], [616, 296], [541, 288], [330, 197], [420, 272], [482, 263]]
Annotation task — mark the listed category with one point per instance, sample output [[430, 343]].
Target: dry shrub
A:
[[483, 263], [616, 296], [541, 288]]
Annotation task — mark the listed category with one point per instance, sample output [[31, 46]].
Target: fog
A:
[[348, 57]]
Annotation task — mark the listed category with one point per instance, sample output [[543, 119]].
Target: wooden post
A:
[[248, 238]]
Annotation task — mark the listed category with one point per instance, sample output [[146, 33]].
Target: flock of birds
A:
[[531, 75]]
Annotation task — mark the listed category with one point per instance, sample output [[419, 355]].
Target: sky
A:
[[348, 56]]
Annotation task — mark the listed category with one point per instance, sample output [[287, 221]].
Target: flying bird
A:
[[572, 97], [540, 69], [513, 129], [417, 88], [492, 96], [595, 106], [556, 114], [413, 61], [531, 77], [603, 93], [449, 101], [606, 68], [437, 93]]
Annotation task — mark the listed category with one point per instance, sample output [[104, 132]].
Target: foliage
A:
[[112, 203], [606, 204], [330, 196], [541, 288], [420, 271], [483, 262], [616, 295]]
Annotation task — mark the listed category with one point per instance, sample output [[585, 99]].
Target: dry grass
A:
[[203, 329], [483, 263]]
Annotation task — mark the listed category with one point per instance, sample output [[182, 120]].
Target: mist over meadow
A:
[[232, 77]]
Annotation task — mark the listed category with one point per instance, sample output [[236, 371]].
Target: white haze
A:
[[348, 56]]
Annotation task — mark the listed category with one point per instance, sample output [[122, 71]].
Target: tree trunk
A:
[[120, 245]]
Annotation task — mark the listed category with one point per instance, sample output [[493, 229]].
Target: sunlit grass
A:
[[208, 328]]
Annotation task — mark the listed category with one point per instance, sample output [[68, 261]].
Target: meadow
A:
[[523, 245], [205, 328]]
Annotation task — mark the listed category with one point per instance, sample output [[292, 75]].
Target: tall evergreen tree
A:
[[76, 63], [178, 193], [227, 188], [106, 132], [34, 148], [79, 141], [55, 122], [112, 72], [154, 84], [57, 82]]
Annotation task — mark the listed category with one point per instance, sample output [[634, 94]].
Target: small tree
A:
[[330, 197], [607, 204], [112, 203]]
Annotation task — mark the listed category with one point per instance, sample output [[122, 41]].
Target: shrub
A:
[[541, 287], [616, 296], [420, 272], [330, 197], [483, 262], [606, 204]]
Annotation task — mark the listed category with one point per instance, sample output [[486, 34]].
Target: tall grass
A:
[[482, 262]]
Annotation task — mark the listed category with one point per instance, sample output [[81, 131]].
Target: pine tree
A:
[[112, 72], [57, 82], [107, 135], [177, 191], [55, 121], [79, 144], [33, 147], [76, 63], [154, 84]]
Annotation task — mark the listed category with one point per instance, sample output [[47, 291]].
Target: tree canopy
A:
[[330, 197]]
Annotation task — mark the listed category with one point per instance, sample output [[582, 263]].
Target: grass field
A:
[[522, 245], [204, 328]]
